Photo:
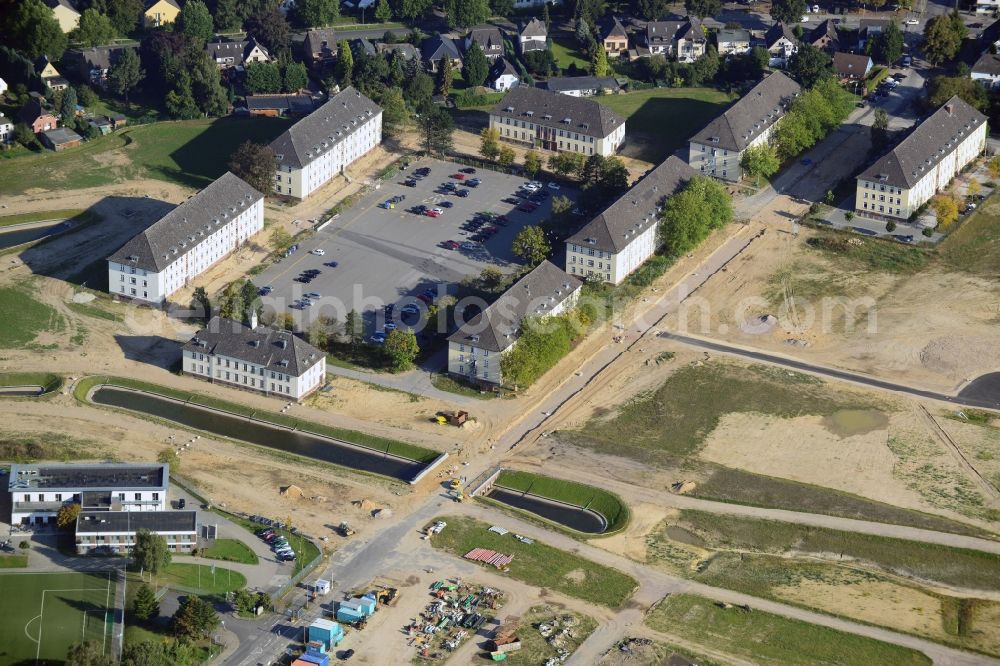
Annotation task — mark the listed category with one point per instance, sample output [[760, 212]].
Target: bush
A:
[[890, 226], [541, 345], [24, 545], [928, 231], [849, 215], [469, 99]]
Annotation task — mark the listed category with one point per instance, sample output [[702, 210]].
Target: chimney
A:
[[950, 108]]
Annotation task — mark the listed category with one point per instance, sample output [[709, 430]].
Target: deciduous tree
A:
[[31, 27], [255, 163], [945, 209], [67, 515], [942, 88], [94, 29], [760, 160], [532, 164], [888, 45], [124, 14], [353, 328], [466, 13], [506, 156], [314, 13], [263, 77], [294, 76], [169, 455], [531, 245], [436, 127], [227, 17], [704, 8], [943, 37], [195, 619], [269, 27], [90, 653], [195, 21], [150, 552], [125, 74], [788, 11], [489, 143], [692, 214], [401, 349], [809, 65], [345, 63]]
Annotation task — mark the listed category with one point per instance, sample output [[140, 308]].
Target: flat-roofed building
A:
[[115, 531]]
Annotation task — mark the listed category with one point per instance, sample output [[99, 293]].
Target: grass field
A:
[[24, 317], [663, 119], [190, 152], [305, 550], [975, 246], [230, 550], [13, 561], [48, 381], [565, 52], [872, 253], [540, 565], [607, 504], [40, 216], [768, 639], [44, 613], [195, 578]]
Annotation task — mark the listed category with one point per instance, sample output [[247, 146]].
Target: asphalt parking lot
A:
[[391, 256]]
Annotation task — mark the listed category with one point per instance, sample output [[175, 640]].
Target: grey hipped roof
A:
[[185, 227], [534, 28], [324, 128], [99, 57], [988, 63], [237, 50], [100, 522], [760, 108], [436, 48], [552, 110], [406, 50], [567, 83], [536, 294], [636, 210], [850, 64], [76, 477], [488, 37], [278, 350], [665, 32], [926, 145]]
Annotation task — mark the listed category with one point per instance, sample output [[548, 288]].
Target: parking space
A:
[[377, 253]]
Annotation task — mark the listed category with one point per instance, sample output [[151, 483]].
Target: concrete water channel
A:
[[573, 517], [15, 236], [270, 435]]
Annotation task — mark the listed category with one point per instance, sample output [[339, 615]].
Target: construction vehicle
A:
[[345, 530], [455, 484], [454, 418]]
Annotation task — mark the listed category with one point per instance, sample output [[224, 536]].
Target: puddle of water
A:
[[850, 422], [681, 535]]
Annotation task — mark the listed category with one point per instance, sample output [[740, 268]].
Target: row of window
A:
[[461, 359], [253, 382], [486, 352], [590, 262], [572, 270], [576, 136], [58, 497], [881, 197], [235, 365], [461, 371], [882, 209], [882, 188], [590, 251]]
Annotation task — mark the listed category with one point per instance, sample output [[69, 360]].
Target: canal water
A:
[[255, 432], [573, 517], [21, 391]]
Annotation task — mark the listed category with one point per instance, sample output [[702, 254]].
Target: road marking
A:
[[37, 617]]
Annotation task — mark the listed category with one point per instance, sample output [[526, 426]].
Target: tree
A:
[[943, 37], [446, 76], [269, 27], [294, 76], [255, 163], [973, 188], [169, 456], [693, 213], [489, 143], [760, 160], [584, 37], [888, 45], [146, 653], [466, 13], [195, 619], [599, 63], [252, 304], [401, 349], [532, 164], [809, 65], [206, 86], [943, 88], [880, 129], [394, 113], [145, 606], [383, 12], [24, 136], [280, 239], [410, 9], [67, 515], [94, 29], [890, 226], [227, 17], [90, 653], [707, 8], [315, 13], [788, 11], [263, 77], [125, 74], [345, 63], [945, 209], [475, 68], [531, 245], [124, 14], [195, 21], [32, 29], [354, 328], [704, 68], [546, 18], [67, 107], [506, 156], [318, 336], [150, 552], [436, 127], [653, 10]]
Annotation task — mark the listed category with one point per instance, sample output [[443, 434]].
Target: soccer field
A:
[[44, 613]]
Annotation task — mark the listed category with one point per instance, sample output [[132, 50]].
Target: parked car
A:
[[445, 204], [433, 212], [331, 264], [313, 294], [181, 503], [451, 245], [378, 339], [469, 245], [410, 182], [265, 290], [457, 176], [389, 326], [410, 309], [468, 170], [319, 252], [553, 185], [527, 207], [473, 182], [463, 193]]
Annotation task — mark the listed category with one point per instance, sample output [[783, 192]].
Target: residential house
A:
[[476, 349], [256, 358], [489, 38], [733, 41], [614, 38], [60, 138], [781, 44], [533, 36], [93, 63], [436, 48], [986, 71], [38, 491], [503, 76], [236, 54], [319, 45], [533, 4], [115, 531], [868, 29], [49, 74], [38, 118], [187, 241], [683, 39], [851, 66], [65, 14], [102, 124], [361, 47], [581, 86], [6, 129], [323, 144], [550, 121], [990, 7], [922, 164], [824, 37], [718, 148], [623, 236], [3, 87], [405, 50], [160, 12], [276, 106]]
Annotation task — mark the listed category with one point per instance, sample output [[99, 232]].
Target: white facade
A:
[[107, 530], [547, 138], [532, 43], [987, 6], [721, 163], [986, 79], [155, 287], [584, 262], [526, 4], [505, 82], [3, 86], [228, 370], [6, 130], [781, 51]]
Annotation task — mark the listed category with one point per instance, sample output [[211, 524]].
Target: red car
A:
[[432, 213], [458, 176], [451, 245]]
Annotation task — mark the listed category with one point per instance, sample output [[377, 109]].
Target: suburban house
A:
[[475, 349], [320, 146], [115, 531], [60, 138], [320, 45], [533, 36], [986, 71], [236, 54], [489, 38], [623, 236], [614, 38], [186, 241], [733, 41], [580, 86], [550, 121], [361, 47], [824, 37], [65, 13], [93, 63], [50, 75], [6, 129], [37, 118], [683, 39], [868, 28], [436, 48], [851, 66], [160, 12], [276, 106], [407, 51], [781, 44], [987, 6], [530, 4], [256, 358], [503, 76], [717, 149], [923, 163], [38, 491]]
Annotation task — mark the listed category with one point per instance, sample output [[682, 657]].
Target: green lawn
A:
[[44, 613], [768, 639], [662, 120], [540, 565], [13, 561], [196, 578], [975, 246], [565, 52], [443, 382], [607, 504], [24, 318], [230, 550], [872, 253], [40, 216], [190, 152], [305, 550], [46, 380]]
